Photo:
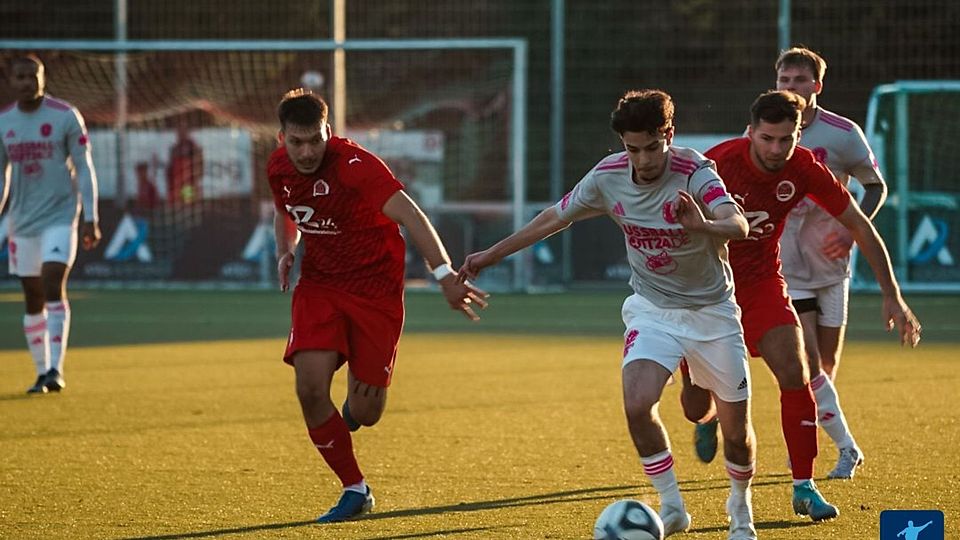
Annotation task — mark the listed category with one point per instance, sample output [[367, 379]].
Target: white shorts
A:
[[710, 338], [55, 244], [832, 302]]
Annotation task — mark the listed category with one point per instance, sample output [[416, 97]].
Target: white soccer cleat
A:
[[674, 520], [740, 512], [847, 463]]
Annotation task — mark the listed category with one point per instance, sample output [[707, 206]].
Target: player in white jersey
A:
[[47, 173], [815, 247], [676, 217]]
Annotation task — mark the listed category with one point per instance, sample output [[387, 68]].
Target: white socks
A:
[[830, 416], [58, 328], [35, 330], [659, 468]]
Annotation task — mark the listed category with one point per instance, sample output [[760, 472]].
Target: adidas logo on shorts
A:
[[743, 384]]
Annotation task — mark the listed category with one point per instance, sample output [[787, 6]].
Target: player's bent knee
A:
[[696, 405]]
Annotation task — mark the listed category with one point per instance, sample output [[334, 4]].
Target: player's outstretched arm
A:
[[896, 313], [460, 295], [728, 221], [545, 224], [287, 236], [82, 157]]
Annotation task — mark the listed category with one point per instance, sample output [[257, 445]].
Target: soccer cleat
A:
[[807, 501], [705, 440], [38, 387], [55, 381], [740, 512], [847, 463], [352, 424], [674, 520], [350, 505]]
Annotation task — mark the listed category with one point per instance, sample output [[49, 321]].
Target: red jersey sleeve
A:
[[823, 187], [276, 166], [379, 183]]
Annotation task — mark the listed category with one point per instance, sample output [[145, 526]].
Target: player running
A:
[[815, 248], [768, 175], [676, 217], [348, 304], [47, 174]]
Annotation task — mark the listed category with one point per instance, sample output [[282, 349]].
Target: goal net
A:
[[912, 130], [181, 132]]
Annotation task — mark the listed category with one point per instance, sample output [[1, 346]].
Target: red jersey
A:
[[349, 243], [767, 198]]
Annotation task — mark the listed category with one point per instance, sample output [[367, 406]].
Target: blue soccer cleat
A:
[[352, 424], [350, 505], [705, 440], [807, 501]]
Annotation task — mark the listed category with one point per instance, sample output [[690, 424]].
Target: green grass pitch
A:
[[179, 421]]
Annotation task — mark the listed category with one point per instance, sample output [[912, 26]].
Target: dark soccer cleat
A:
[[352, 424], [38, 387], [54, 381], [705, 440], [350, 505]]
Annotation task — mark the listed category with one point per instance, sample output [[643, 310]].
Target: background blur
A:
[[181, 163]]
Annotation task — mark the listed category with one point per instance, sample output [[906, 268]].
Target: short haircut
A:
[[804, 58], [28, 58], [775, 106], [301, 107], [643, 111]]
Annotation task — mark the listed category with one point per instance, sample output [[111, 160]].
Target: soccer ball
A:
[[627, 519], [312, 80]]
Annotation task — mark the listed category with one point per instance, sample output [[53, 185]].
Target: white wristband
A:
[[442, 271]]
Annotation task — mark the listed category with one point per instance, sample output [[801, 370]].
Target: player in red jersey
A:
[[767, 174], [348, 304]]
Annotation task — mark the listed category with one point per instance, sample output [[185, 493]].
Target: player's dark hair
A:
[[804, 58], [643, 111], [775, 106], [28, 58], [301, 107]]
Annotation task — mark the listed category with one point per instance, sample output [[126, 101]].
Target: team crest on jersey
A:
[[820, 153], [320, 188], [46, 130], [662, 263], [82, 141], [11, 134], [786, 190]]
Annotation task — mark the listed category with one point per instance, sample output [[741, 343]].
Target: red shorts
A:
[[364, 331], [765, 305]]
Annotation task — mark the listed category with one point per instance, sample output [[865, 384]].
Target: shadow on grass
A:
[[578, 495], [546, 498], [760, 525]]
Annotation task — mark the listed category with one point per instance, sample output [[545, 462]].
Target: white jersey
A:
[[46, 166], [838, 143], [671, 267]]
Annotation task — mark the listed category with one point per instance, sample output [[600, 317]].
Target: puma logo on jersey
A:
[[354, 159], [286, 192], [324, 446]]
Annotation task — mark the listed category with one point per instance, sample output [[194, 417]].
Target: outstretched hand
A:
[[898, 315], [688, 212], [474, 263], [463, 296]]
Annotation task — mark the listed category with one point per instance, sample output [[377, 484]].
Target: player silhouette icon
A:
[[910, 532]]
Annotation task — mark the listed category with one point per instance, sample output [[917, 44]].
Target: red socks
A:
[[798, 418], [333, 441]]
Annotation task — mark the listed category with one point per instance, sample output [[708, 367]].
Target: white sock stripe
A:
[[57, 306], [818, 381], [740, 475], [39, 327]]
